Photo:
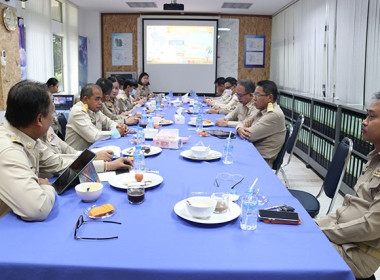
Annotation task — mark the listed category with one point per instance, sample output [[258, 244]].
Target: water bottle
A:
[[140, 136], [195, 107], [143, 118], [228, 152], [138, 159], [199, 122], [248, 217], [150, 124]]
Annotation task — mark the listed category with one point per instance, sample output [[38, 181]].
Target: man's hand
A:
[[132, 120], [105, 155], [122, 128], [212, 111], [243, 132], [221, 122], [120, 163], [43, 181]]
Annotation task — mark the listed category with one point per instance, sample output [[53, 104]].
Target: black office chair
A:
[[280, 157], [369, 278], [290, 147], [62, 123], [331, 182]]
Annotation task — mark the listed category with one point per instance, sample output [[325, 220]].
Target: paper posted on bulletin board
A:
[[254, 51], [122, 49]]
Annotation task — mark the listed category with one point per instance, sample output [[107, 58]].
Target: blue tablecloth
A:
[[154, 243]]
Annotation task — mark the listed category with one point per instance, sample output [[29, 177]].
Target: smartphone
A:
[[279, 217]]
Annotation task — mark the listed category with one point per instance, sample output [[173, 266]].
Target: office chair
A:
[[280, 157], [290, 147], [62, 123], [331, 182]]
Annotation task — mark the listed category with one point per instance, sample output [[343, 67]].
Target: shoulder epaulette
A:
[[85, 108]]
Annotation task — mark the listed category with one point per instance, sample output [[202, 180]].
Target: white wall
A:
[[90, 27]]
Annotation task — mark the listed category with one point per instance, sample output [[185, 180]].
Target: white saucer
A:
[[211, 156], [204, 123], [122, 181], [232, 213], [153, 151]]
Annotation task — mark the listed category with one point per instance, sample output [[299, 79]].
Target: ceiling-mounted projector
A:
[[174, 6]]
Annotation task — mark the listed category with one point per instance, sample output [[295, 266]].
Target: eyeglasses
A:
[[81, 221], [241, 96], [255, 94], [237, 178]]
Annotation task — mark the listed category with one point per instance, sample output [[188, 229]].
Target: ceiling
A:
[[258, 7]]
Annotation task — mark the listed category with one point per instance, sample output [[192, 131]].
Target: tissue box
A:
[[168, 138], [149, 133]]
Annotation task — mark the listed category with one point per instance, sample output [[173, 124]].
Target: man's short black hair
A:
[[269, 87], [105, 84], [131, 83], [231, 80], [26, 100], [248, 85], [52, 82], [220, 81]]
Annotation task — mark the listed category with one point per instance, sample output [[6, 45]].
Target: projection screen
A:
[[180, 55]]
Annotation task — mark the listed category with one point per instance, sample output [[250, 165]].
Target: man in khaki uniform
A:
[[228, 101], [266, 130], [354, 229], [23, 156], [244, 93], [102, 163], [86, 124]]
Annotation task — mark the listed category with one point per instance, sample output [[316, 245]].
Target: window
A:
[[56, 10], [58, 59]]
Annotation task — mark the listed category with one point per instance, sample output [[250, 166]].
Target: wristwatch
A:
[[10, 19]]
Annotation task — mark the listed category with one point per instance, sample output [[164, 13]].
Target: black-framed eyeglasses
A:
[[234, 185], [255, 94], [242, 95], [81, 221]]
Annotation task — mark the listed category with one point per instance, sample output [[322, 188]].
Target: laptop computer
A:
[[71, 174]]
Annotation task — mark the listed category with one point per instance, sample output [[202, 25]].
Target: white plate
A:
[[165, 122], [122, 181], [204, 123], [211, 156], [87, 211], [153, 151], [232, 213]]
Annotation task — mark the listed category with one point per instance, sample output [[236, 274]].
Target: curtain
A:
[[372, 81], [351, 28], [38, 39]]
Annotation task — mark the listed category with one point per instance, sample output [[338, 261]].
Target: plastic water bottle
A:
[[199, 122], [248, 217], [150, 124], [195, 107], [228, 152], [138, 159], [140, 136], [144, 118]]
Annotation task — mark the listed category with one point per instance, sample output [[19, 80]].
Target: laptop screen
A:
[[63, 102]]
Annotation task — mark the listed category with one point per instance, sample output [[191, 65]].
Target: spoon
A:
[[188, 202]]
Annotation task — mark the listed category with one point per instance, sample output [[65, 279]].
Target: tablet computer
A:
[[221, 133], [71, 173], [279, 217]]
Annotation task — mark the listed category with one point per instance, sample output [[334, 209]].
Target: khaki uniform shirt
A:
[[21, 159], [240, 113], [108, 109], [358, 221], [85, 127], [125, 103], [143, 91], [229, 106], [61, 148], [267, 132]]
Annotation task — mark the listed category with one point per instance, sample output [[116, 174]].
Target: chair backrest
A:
[[62, 123], [294, 136], [280, 157], [337, 169]]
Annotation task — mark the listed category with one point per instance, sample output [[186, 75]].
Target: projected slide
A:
[[180, 44]]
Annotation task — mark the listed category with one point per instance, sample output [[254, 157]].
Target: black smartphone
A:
[[279, 217]]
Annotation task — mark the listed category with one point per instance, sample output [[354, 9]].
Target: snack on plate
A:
[[145, 149], [207, 121], [203, 133], [101, 210]]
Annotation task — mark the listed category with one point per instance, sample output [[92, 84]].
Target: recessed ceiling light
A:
[[229, 5], [141, 4]]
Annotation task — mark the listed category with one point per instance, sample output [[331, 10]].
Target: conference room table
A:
[[155, 243]]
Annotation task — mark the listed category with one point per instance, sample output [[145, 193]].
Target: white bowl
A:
[[200, 206], [200, 151], [90, 191]]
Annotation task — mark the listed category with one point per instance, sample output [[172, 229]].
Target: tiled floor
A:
[[300, 177]]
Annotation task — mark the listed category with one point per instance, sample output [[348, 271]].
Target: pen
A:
[[274, 207]]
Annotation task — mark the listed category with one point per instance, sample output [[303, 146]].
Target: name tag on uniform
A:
[[377, 173]]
